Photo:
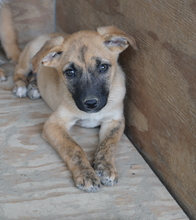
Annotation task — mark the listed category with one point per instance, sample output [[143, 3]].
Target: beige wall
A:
[[161, 81], [32, 18]]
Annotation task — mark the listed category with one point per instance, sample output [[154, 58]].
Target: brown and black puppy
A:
[[79, 78], [7, 35]]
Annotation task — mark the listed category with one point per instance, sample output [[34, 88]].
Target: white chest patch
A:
[[88, 123]]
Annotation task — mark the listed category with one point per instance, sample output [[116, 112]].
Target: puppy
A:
[[7, 35], [79, 78]]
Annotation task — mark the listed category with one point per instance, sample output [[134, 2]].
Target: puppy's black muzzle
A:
[[91, 103], [90, 96]]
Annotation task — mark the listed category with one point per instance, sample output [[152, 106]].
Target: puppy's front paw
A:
[[106, 171], [33, 91], [20, 91], [87, 180]]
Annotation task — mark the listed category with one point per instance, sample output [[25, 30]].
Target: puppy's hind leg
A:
[[21, 72], [8, 35], [32, 88]]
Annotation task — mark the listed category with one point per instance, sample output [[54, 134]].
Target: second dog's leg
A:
[[32, 88], [57, 135], [20, 79], [25, 84], [8, 35], [20, 74]]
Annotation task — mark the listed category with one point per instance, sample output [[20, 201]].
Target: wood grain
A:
[[36, 184], [160, 106]]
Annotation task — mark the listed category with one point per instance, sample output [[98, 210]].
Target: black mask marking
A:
[[89, 90]]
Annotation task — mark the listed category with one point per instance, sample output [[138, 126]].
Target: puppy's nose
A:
[[91, 103]]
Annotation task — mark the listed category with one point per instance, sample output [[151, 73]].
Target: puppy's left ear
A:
[[115, 39], [49, 54]]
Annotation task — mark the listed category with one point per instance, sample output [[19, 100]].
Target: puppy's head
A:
[[87, 63]]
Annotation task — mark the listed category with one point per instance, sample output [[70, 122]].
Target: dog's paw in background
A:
[[20, 91], [26, 86], [2, 72], [33, 91], [106, 172], [8, 36]]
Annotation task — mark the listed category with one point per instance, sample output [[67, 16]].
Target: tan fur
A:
[[49, 55], [8, 36]]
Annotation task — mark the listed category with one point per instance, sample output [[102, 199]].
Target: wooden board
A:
[[36, 184], [161, 81]]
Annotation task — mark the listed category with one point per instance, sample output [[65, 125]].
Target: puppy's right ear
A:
[[49, 54], [115, 39]]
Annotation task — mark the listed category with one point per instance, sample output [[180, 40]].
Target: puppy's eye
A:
[[70, 72], [103, 67]]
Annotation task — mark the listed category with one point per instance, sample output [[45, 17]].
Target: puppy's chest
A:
[[88, 123]]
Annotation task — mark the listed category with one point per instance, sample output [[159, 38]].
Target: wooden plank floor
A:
[[36, 184]]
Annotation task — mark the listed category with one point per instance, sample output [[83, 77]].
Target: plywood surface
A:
[[161, 81], [36, 184]]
